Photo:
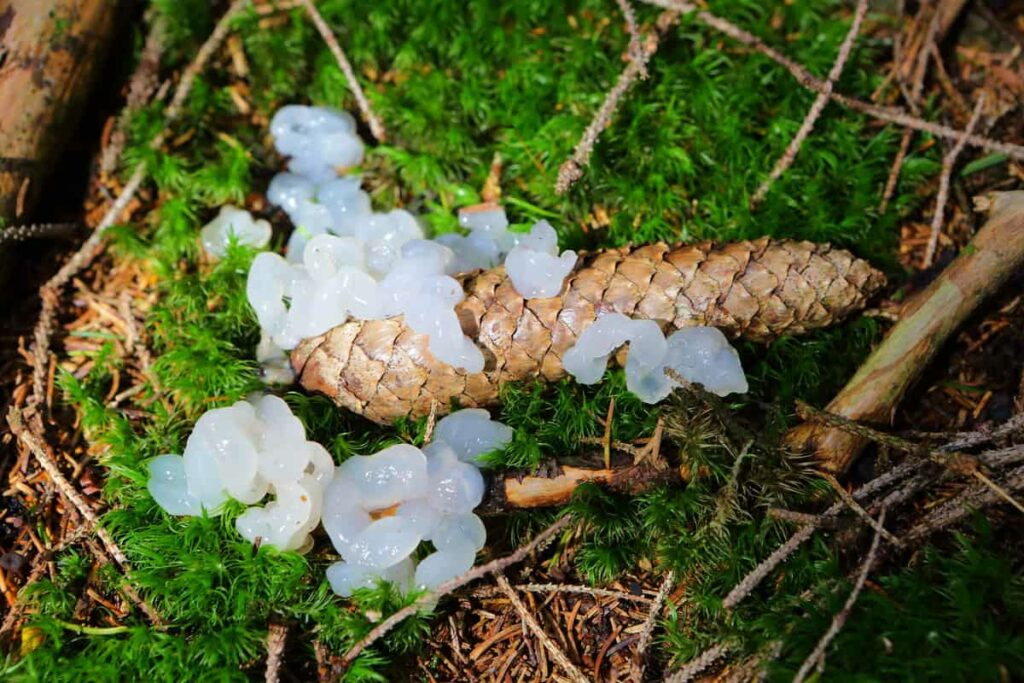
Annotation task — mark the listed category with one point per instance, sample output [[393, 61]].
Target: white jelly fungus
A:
[[233, 223], [697, 354], [247, 451], [380, 507]]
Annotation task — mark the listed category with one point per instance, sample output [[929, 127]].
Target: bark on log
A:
[[926, 321], [49, 54], [758, 290]]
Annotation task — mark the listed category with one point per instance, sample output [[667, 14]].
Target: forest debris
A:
[[926, 321], [812, 82], [787, 158], [556, 652], [947, 170], [52, 50], [817, 656], [698, 664], [376, 127], [758, 290], [429, 599], [49, 292], [639, 657], [277, 634], [572, 169], [530, 491]]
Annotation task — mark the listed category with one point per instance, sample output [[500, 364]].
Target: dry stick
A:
[[571, 589], [276, 636], [639, 658], [786, 160], [376, 127], [636, 45], [961, 505], [531, 623], [926, 321], [141, 86], [948, 162], [897, 168], [839, 620], [500, 564], [811, 82], [751, 580], [860, 511], [695, 666], [572, 169], [49, 291], [41, 450]]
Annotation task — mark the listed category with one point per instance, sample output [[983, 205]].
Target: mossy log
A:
[[50, 51], [926, 321]]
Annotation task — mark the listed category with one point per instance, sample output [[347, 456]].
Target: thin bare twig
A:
[[698, 664], [572, 169], [639, 657], [860, 511], [780, 555], [786, 160], [494, 566], [41, 451], [376, 127], [811, 82], [573, 590], [948, 162], [839, 620], [49, 292], [636, 44], [531, 623], [141, 86], [894, 172], [277, 634]]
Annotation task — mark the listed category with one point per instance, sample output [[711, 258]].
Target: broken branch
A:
[[927, 320]]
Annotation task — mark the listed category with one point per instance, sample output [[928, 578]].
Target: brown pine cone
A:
[[758, 290]]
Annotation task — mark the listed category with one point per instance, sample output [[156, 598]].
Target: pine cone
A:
[[757, 290]]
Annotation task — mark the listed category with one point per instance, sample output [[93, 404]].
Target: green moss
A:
[[455, 83]]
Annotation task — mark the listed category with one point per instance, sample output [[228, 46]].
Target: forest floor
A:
[[150, 334]]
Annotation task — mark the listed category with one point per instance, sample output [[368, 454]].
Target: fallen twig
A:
[[376, 127], [927, 320], [839, 620], [811, 82], [41, 451], [698, 664], [428, 600], [141, 86], [567, 588], [780, 555], [860, 511], [49, 292], [640, 656], [960, 506], [572, 169], [786, 160], [948, 162], [531, 623]]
